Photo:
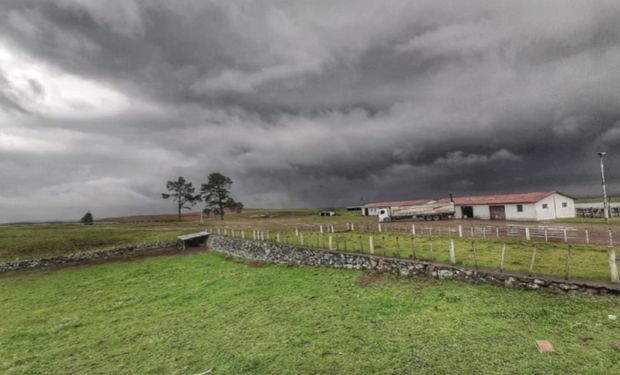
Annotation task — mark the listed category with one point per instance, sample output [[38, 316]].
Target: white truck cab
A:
[[384, 215]]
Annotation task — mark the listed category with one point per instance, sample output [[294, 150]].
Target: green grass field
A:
[[191, 314], [37, 241], [18, 242]]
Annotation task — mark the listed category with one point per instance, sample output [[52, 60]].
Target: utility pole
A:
[[605, 204]]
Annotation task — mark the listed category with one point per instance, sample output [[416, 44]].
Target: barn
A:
[[545, 205], [372, 209]]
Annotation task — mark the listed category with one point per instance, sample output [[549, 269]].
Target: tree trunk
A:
[[179, 213], [221, 212]]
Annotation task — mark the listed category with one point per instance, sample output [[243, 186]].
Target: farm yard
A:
[[195, 311]]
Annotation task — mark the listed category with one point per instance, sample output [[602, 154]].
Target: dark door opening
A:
[[467, 212], [497, 212]]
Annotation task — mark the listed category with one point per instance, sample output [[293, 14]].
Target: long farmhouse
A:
[[545, 205]]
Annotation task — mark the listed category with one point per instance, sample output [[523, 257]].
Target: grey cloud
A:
[[311, 104]]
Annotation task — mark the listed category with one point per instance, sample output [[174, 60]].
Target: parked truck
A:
[[429, 211]]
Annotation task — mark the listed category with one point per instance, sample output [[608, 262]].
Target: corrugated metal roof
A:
[[191, 236], [503, 198], [397, 203]]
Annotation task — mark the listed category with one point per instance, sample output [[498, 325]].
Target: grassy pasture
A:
[[35, 241], [18, 242], [191, 314]]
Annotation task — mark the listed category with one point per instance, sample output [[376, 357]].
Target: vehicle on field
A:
[[429, 211]]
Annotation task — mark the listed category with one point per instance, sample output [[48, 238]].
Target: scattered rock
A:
[[544, 346], [445, 274]]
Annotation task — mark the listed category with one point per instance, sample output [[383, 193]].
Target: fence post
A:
[[278, 237], [321, 228], [567, 271], [612, 264], [527, 233], [243, 235], [430, 245], [587, 237], [352, 227], [484, 232], [296, 231], [501, 261], [452, 253], [533, 261], [471, 229], [565, 236], [262, 235], [611, 240], [301, 239], [371, 245], [496, 232], [413, 229], [379, 226], [329, 242], [473, 248], [460, 230]]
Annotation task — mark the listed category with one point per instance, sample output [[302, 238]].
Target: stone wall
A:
[[81, 257], [288, 254]]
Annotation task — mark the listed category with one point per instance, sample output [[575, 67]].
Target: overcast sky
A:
[[302, 103]]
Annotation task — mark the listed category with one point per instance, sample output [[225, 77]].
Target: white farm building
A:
[[525, 206]]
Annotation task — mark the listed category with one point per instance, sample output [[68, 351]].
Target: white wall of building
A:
[[557, 206], [528, 212], [482, 212]]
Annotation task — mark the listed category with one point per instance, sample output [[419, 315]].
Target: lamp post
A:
[[605, 210]]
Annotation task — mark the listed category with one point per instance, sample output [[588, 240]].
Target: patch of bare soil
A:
[[256, 263], [369, 278]]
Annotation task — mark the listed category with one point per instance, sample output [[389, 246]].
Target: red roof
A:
[[397, 203], [502, 199]]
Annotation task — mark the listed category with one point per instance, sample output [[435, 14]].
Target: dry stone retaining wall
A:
[[80, 257], [288, 254]]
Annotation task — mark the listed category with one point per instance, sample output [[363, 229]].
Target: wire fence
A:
[[547, 233], [481, 249]]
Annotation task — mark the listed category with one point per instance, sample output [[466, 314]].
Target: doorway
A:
[[467, 212], [497, 212]]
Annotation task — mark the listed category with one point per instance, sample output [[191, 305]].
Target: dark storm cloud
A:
[[302, 103]]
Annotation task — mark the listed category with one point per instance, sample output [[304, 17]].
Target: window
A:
[[545, 206], [519, 208], [564, 204]]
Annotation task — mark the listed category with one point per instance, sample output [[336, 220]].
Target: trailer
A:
[[429, 211]]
